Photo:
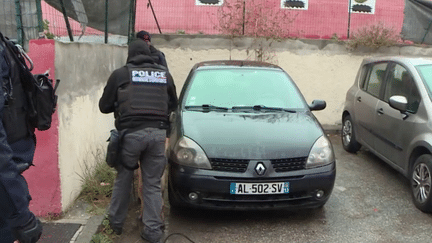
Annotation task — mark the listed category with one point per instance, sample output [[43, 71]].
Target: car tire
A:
[[349, 141], [173, 201], [421, 183]]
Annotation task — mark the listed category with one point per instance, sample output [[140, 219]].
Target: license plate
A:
[[259, 188]]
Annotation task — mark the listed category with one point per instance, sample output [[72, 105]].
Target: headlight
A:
[[189, 153], [320, 154]]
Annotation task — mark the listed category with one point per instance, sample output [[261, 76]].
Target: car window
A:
[[363, 75], [426, 74], [375, 79], [400, 82], [243, 87]]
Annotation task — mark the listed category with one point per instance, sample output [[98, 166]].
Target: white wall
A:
[[321, 69]]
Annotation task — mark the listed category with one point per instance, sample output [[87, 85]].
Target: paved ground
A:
[[76, 226], [370, 203]]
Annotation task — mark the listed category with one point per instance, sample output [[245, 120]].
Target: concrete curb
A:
[[332, 129], [87, 230]]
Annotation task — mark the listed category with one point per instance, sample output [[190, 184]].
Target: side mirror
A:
[[317, 105], [399, 103]]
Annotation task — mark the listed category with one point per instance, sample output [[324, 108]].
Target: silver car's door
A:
[[393, 131], [365, 103]]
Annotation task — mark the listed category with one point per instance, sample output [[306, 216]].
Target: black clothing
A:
[[144, 35], [141, 95], [15, 117], [17, 145], [138, 56], [155, 53], [145, 95]]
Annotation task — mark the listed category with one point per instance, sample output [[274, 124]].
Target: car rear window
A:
[[243, 87]]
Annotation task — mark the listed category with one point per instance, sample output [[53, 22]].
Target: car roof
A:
[[234, 63], [409, 61]]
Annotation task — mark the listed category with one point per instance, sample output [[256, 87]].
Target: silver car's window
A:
[[375, 81], [362, 76], [400, 82], [426, 74], [243, 87]]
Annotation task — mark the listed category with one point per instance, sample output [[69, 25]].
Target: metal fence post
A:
[[426, 32], [106, 21], [66, 21], [20, 29], [244, 17], [349, 19], [132, 14], [39, 15], [154, 15]]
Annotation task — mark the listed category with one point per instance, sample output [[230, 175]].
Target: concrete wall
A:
[[83, 130], [321, 69]]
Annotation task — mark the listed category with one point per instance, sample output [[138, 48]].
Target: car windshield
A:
[[426, 74], [244, 89]]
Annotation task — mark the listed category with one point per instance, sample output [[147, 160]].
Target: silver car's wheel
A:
[[349, 141], [421, 182], [347, 132]]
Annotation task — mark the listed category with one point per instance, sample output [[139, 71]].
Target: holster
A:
[[114, 149]]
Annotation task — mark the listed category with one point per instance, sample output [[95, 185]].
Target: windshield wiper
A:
[[262, 108], [206, 107]]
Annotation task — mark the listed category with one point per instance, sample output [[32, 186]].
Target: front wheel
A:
[[349, 141], [175, 204], [421, 183]]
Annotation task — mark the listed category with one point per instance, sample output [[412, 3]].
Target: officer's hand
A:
[[30, 233]]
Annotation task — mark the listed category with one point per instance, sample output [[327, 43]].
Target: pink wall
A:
[[44, 178], [321, 20]]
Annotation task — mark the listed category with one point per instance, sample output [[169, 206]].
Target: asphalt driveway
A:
[[371, 202]]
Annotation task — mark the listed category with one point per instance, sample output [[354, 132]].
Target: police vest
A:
[[145, 95]]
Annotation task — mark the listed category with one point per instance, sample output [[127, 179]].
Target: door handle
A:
[[359, 99], [380, 111]]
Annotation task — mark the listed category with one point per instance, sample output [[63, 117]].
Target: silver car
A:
[[389, 111]]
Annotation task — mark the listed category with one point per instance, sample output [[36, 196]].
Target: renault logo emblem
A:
[[260, 169]]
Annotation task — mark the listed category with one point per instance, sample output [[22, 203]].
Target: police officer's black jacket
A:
[[120, 79]]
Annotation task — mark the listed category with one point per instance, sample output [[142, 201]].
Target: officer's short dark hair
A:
[[144, 35]]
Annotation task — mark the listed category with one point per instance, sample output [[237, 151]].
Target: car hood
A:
[[252, 135]]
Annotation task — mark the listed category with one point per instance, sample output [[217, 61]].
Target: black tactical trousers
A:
[[15, 197]]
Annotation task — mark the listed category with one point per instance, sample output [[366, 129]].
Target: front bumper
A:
[[213, 188]]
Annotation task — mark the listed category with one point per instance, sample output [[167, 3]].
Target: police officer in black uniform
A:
[[157, 54], [17, 146], [141, 94]]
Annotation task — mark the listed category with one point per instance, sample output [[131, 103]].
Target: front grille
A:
[[258, 201], [289, 164], [230, 165]]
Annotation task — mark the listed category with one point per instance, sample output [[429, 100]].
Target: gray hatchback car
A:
[[389, 111]]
